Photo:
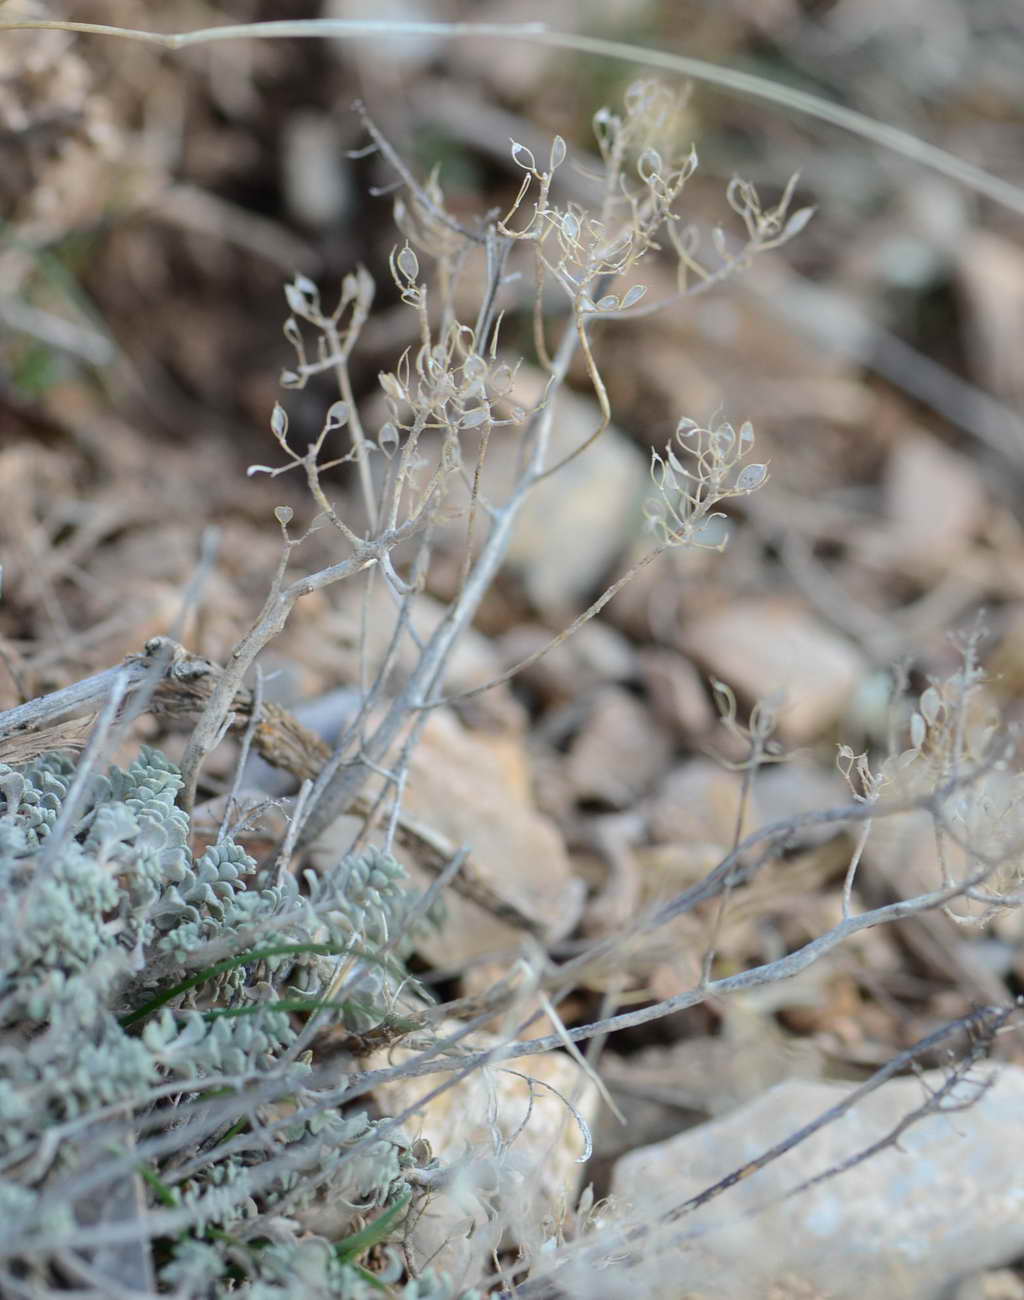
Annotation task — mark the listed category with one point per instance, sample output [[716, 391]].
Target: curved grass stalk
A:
[[733, 80]]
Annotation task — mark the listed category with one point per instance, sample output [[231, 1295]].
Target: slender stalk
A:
[[332, 792], [736, 82]]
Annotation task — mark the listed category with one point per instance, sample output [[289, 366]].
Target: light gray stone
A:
[[771, 647], [907, 1223]]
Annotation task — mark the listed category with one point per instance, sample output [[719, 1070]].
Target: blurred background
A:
[[153, 204]]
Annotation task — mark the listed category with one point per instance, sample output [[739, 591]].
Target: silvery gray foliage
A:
[[300, 1270], [120, 909], [363, 904]]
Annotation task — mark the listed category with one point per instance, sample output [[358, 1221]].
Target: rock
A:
[[575, 524], [597, 653], [990, 269], [698, 803], [714, 1074], [994, 1284], [906, 1224], [677, 692], [496, 1129], [761, 647], [572, 526], [328, 715], [315, 175], [934, 502], [793, 788], [619, 752], [473, 660], [475, 790]]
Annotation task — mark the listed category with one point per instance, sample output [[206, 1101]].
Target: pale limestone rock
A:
[[575, 524], [699, 802], [474, 789], [619, 751], [906, 1223], [677, 693], [934, 502], [496, 1132], [594, 654], [769, 647]]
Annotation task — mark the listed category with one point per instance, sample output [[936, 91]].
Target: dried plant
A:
[[160, 1011]]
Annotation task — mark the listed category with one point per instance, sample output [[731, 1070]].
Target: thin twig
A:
[[754, 977], [71, 806]]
